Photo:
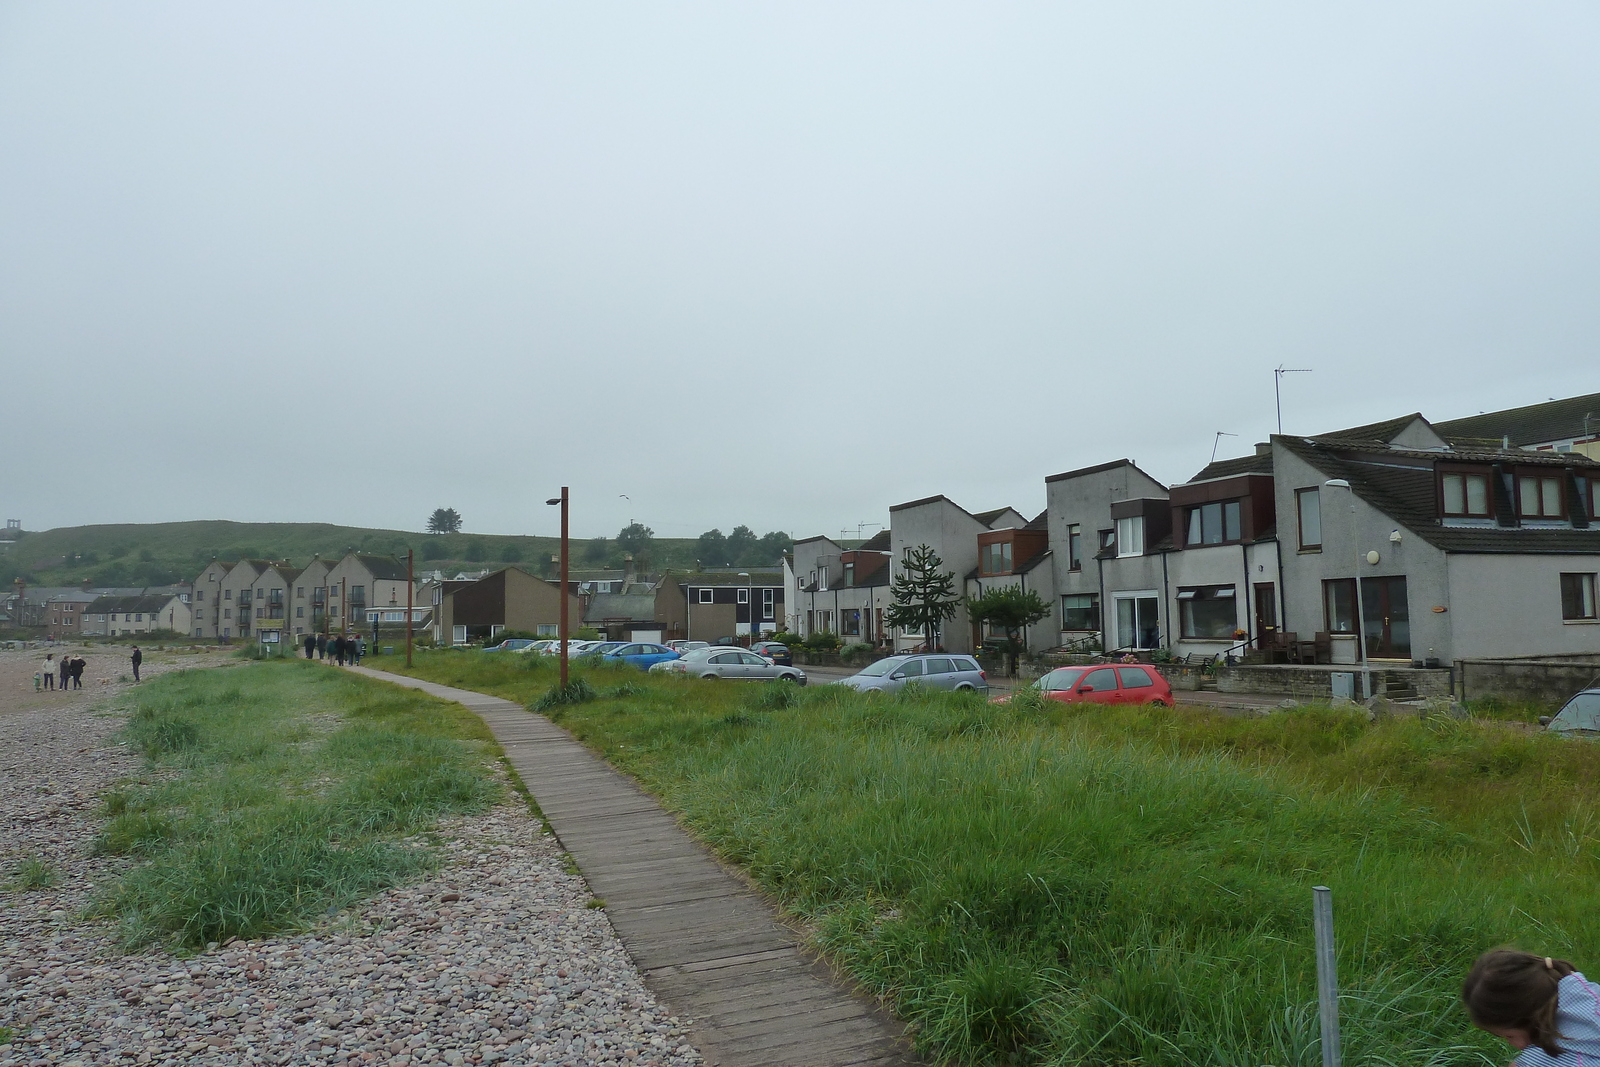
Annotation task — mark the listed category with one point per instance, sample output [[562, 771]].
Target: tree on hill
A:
[[637, 538], [597, 551], [712, 549], [511, 553], [924, 594], [1013, 610], [772, 546], [433, 550], [742, 545], [444, 521]]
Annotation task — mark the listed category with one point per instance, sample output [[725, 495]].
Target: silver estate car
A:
[[730, 663], [933, 670]]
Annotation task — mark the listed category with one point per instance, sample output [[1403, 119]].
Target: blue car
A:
[[641, 656], [602, 648]]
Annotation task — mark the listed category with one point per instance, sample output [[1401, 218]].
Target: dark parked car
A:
[[777, 653]]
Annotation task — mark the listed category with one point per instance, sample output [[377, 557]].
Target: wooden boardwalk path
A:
[[708, 946]]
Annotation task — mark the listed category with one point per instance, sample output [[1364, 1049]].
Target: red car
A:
[[1135, 683]]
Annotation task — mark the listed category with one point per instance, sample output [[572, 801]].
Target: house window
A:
[[1464, 495], [1339, 605], [227, 594], [1577, 597], [299, 592], [767, 598], [299, 613], [1080, 611], [227, 613], [995, 558], [1539, 496], [849, 574], [261, 594], [1207, 612], [548, 629], [850, 621], [822, 578], [1108, 540], [1130, 536], [1075, 547], [1214, 524], [705, 596], [1308, 504], [744, 596]]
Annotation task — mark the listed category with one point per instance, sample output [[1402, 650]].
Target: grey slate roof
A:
[[384, 568], [1406, 491], [1384, 431], [986, 517], [119, 604], [1233, 468], [757, 578], [1553, 420]]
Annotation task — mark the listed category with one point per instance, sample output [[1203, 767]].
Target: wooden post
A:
[[565, 631], [1327, 974], [410, 584]]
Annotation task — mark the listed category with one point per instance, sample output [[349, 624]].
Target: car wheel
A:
[[712, 677], [965, 689]]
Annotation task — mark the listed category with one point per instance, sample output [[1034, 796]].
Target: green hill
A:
[[160, 553]]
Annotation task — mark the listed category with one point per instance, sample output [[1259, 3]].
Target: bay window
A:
[[1213, 524], [1207, 612]]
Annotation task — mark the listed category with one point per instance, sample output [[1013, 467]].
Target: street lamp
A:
[[1361, 633], [562, 635], [749, 607]]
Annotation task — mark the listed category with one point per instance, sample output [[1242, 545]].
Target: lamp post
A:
[[410, 585], [749, 607], [1355, 607], [562, 635]]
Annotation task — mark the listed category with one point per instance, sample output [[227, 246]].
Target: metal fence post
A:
[[1327, 974]]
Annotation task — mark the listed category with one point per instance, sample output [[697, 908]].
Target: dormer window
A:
[[995, 558], [1539, 496], [849, 574], [1130, 535], [1214, 524], [1465, 494]]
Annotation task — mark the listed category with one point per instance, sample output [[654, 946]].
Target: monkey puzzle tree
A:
[[924, 594]]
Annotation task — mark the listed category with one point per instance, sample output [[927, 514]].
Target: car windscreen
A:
[[1581, 713], [1061, 679], [881, 668]]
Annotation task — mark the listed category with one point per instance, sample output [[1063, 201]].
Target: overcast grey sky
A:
[[777, 265]]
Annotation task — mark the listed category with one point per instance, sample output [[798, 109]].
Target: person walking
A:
[[338, 650], [66, 671], [358, 648], [138, 658], [49, 670], [311, 645], [78, 664], [322, 646]]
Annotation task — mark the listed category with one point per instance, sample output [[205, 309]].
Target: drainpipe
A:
[[1166, 598], [1100, 579], [1283, 594], [1249, 619]]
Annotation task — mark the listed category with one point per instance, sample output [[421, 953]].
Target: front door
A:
[[1266, 596], [1386, 618], [1139, 621]]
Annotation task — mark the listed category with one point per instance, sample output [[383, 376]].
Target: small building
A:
[[507, 599], [63, 613], [114, 616], [722, 604]]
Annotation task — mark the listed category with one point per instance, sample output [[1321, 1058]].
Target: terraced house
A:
[[1398, 543]]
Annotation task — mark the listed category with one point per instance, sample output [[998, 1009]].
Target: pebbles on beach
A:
[[498, 958]]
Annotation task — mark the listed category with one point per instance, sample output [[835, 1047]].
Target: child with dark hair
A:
[[1542, 1007]]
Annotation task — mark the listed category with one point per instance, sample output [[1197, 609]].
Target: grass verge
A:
[[278, 791], [1071, 885]]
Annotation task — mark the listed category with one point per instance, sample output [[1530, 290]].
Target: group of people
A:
[[68, 670], [339, 648]]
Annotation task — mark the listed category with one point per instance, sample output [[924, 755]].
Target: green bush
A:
[[822, 641], [576, 691]]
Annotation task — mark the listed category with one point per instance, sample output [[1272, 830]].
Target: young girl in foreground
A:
[[1542, 1007]]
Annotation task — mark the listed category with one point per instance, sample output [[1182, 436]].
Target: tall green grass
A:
[[278, 791], [1073, 885]]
